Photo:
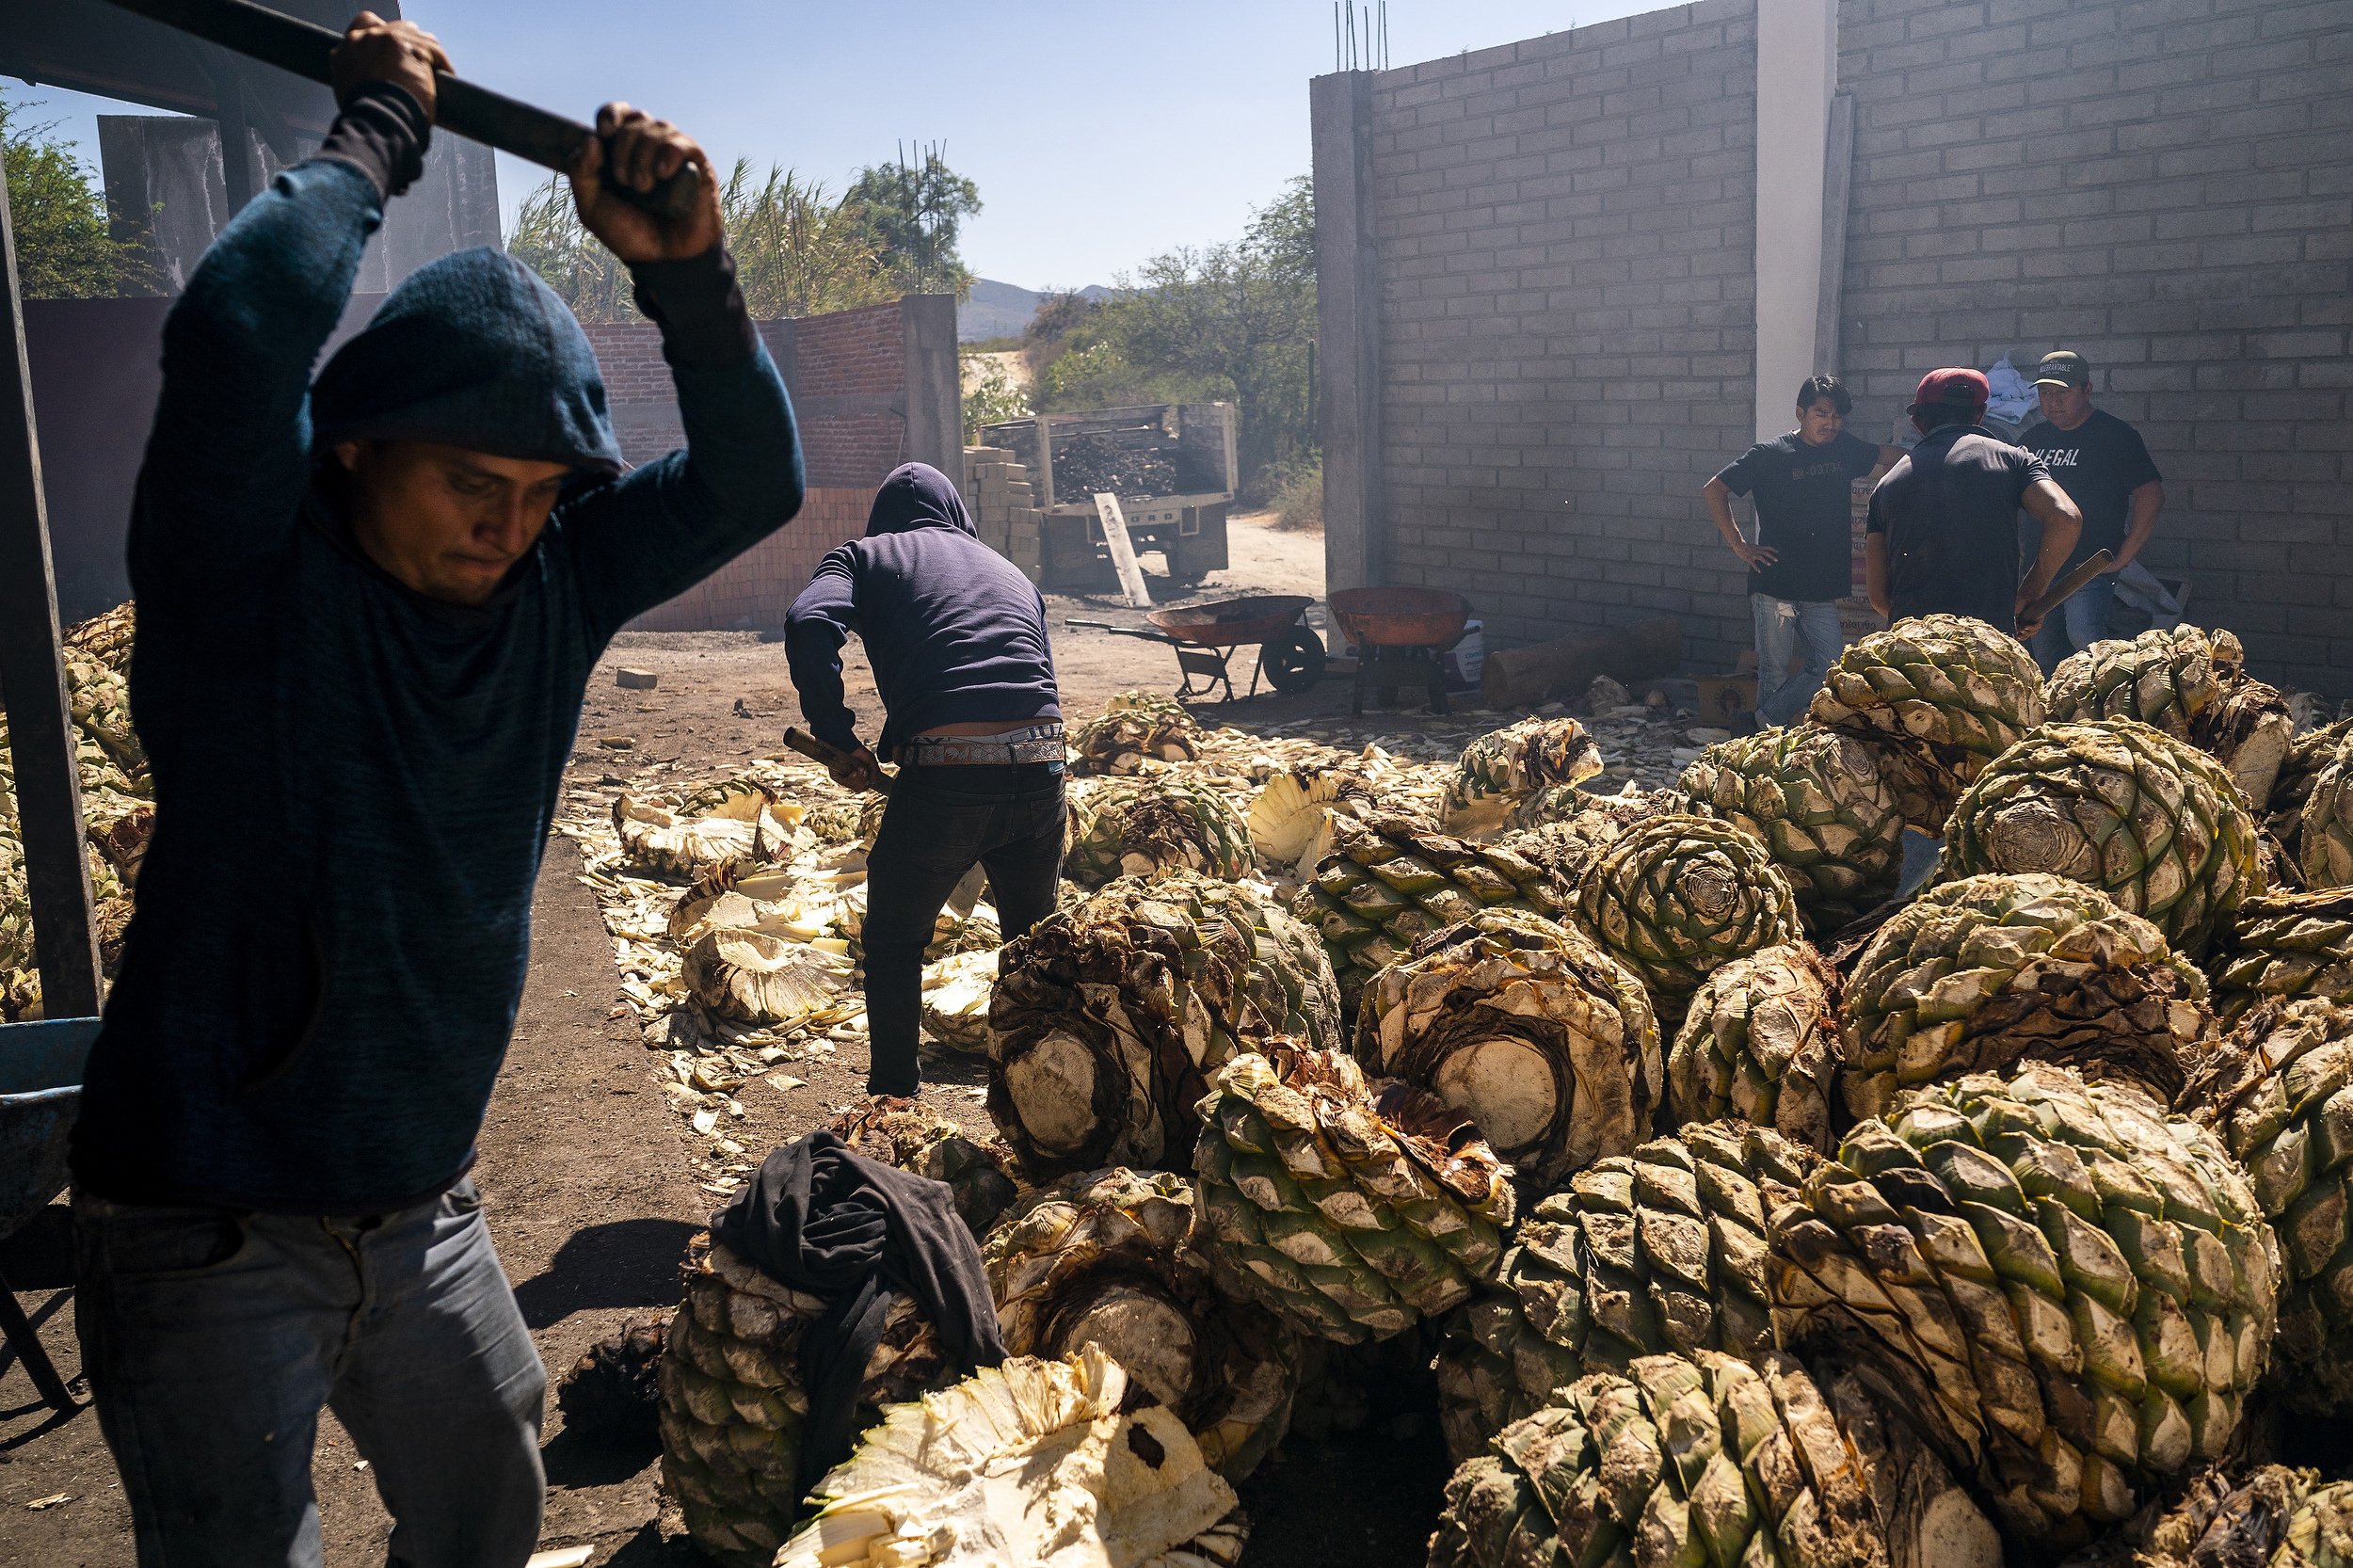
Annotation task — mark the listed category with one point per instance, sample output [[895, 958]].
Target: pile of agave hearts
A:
[[1748, 1210]]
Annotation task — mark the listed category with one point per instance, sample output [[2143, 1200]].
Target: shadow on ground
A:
[[624, 1264]]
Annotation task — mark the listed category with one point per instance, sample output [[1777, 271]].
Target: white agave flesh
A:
[[1029, 1462], [755, 978]]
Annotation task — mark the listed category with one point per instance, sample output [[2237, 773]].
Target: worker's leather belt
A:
[[1040, 742]]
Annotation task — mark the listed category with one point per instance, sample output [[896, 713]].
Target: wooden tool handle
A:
[[476, 113], [2066, 588], [818, 751]]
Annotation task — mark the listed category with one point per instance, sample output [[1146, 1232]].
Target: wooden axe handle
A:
[[818, 751], [476, 113], [2065, 588]]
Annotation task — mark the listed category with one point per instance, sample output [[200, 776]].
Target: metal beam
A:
[[32, 684]]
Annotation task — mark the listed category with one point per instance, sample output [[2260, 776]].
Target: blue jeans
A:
[[2076, 624], [942, 822], [212, 1337], [1782, 625]]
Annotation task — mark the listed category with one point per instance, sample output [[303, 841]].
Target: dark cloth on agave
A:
[[857, 1235]]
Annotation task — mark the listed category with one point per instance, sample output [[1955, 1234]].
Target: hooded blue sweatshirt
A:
[[956, 633], [354, 782]]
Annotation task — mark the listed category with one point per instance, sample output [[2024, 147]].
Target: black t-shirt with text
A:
[[1949, 509], [2099, 463], [1804, 512]]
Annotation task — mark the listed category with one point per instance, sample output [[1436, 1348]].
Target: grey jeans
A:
[[212, 1338], [1784, 626]]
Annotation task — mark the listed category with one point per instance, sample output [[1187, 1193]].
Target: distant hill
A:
[[1003, 310]]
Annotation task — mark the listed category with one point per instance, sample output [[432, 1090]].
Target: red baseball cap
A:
[[1956, 388]]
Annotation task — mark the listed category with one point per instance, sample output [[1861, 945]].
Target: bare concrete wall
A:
[[2166, 186], [1562, 235], [1563, 232]]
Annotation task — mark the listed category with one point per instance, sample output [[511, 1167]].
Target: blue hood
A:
[[918, 495], [475, 351]]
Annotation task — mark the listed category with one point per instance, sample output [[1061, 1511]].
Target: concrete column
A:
[[1797, 72], [935, 390], [1347, 330]]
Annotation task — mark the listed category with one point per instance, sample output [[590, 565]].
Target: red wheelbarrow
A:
[[1290, 655], [1402, 635]]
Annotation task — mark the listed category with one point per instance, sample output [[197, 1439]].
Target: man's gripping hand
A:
[[632, 148], [858, 770], [374, 50]]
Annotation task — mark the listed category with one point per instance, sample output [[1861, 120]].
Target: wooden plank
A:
[[1123, 550], [32, 686], [1522, 676]]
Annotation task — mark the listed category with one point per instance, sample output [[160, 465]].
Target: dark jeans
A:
[[212, 1337], [942, 821]]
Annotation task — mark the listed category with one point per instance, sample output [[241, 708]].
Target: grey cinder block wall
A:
[[1557, 325]]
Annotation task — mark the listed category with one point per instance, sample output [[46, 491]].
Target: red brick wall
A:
[[854, 358], [848, 377], [752, 590], [851, 355]]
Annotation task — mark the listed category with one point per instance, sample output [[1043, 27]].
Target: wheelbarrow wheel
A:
[[1295, 663]]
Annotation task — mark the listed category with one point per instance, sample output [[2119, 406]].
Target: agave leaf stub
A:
[[732, 1408], [1659, 1250], [1763, 1041], [1940, 697], [1151, 827], [2150, 820], [2072, 1293], [1978, 974], [2278, 1097], [1109, 1016], [1704, 1459], [1109, 1257], [1678, 896], [1504, 767], [2283, 946], [1352, 1211], [1529, 1027], [1816, 800]]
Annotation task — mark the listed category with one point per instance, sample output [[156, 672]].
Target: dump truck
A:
[[1172, 465]]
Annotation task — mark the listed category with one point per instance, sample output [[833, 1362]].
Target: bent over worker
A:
[[367, 610], [957, 636], [1943, 525]]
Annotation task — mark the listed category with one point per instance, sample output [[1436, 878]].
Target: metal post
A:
[[32, 686]]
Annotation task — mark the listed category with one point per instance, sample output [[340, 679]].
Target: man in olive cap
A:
[[2105, 468], [1943, 531]]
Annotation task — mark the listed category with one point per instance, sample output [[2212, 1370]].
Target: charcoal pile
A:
[[1088, 463]]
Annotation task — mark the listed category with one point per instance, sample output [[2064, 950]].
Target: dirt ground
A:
[[593, 1185]]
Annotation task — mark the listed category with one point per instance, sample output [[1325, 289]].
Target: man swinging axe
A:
[[368, 607]]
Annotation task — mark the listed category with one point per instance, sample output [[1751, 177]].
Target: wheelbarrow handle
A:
[[1118, 631]]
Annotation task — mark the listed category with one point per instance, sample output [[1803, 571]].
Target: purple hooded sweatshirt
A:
[[956, 633]]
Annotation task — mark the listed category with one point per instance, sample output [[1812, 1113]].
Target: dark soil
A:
[[593, 1184]]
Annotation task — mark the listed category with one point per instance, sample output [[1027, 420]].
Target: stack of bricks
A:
[[1004, 506]]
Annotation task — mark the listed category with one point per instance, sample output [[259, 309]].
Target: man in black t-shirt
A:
[[1943, 525], [1802, 560], [2105, 468]]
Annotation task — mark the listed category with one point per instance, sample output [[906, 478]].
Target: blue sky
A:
[[1100, 134]]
